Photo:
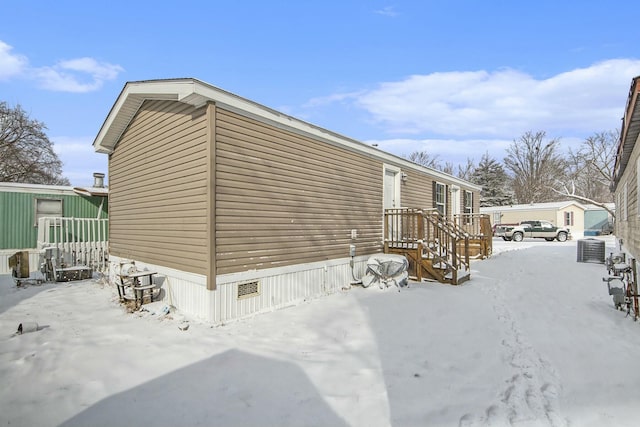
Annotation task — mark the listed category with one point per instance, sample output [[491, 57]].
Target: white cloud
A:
[[64, 145], [387, 11], [10, 64], [464, 114], [74, 75], [79, 159], [330, 99], [503, 103]]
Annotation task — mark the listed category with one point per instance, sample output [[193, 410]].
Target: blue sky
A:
[[454, 78]]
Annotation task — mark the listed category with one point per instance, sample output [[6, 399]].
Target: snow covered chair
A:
[[386, 270]]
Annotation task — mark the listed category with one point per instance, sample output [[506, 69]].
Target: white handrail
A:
[[79, 241]]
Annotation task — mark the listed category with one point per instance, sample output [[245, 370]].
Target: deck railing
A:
[[79, 241], [478, 227], [449, 239], [442, 242]]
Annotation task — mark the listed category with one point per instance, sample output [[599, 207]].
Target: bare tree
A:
[[591, 170], [467, 170], [26, 153], [448, 168], [536, 165], [569, 190], [425, 159], [433, 161]]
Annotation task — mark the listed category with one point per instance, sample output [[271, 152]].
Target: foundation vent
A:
[[248, 289]]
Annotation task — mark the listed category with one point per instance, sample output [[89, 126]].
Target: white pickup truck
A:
[[536, 229]]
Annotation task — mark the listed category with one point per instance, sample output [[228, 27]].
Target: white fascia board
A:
[[149, 90], [99, 143], [13, 187]]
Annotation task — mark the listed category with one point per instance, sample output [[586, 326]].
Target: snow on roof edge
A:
[[532, 206]]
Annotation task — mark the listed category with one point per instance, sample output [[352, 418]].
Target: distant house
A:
[[22, 205], [597, 220], [569, 214], [243, 209], [626, 175]]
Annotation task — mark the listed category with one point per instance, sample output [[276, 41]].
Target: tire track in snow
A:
[[531, 393]]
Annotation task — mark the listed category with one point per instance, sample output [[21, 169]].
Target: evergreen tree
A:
[[494, 181]]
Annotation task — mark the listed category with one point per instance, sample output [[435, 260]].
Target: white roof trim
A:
[[197, 93], [532, 207], [91, 191], [18, 187]]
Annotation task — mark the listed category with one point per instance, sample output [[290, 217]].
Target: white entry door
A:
[[391, 196], [391, 199]]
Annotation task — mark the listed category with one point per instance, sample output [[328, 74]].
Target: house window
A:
[[468, 202], [497, 218], [47, 208], [467, 206], [568, 218], [440, 198]]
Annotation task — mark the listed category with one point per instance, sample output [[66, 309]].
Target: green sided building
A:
[[22, 206]]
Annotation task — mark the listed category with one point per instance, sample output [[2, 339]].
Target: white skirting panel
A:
[[183, 290], [5, 254], [278, 288]]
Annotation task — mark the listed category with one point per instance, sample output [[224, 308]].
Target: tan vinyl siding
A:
[[629, 230], [515, 217], [158, 188], [283, 198], [417, 191]]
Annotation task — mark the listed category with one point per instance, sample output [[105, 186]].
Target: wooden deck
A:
[[478, 227], [437, 248]]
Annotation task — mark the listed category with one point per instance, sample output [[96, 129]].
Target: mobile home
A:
[[23, 205], [626, 175], [570, 214], [242, 209]]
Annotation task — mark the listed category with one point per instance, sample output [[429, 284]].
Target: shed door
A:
[[390, 193]]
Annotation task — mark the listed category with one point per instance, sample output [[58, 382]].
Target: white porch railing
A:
[[79, 241]]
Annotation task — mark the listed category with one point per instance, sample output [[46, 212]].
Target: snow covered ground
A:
[[531, 340]]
